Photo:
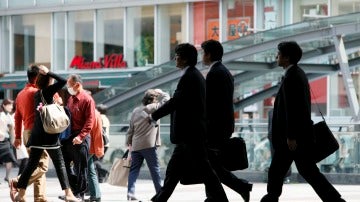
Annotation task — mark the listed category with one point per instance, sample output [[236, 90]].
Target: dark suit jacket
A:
[[219, 104], [187, 109], [292, 110]]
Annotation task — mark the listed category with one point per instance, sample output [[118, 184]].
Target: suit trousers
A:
[[76, 159], [174, 172], [282, 160], [38, 177], [227, 177]]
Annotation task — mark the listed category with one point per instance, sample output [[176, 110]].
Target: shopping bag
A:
[[21, 152], [234, 155], [325, 142], [119, 171]]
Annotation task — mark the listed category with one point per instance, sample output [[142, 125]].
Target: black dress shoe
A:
[[269, 198]]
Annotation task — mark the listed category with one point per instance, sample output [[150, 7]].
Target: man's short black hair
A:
[[214, 48], [188, 52], [32, 73], [291, 50]]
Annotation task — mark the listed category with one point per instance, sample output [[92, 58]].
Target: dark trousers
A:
[[282, 160], [76, 162], [227, 177], [34, 158], [174, 171]]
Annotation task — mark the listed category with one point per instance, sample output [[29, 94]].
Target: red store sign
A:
[[109, 61]]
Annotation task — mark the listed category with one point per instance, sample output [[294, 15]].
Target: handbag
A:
[[234, 155], [325, 142], [53, 117], [119, 171]]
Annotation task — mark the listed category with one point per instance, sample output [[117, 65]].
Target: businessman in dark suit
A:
[[220, 114], [187, 130], [292, 135]]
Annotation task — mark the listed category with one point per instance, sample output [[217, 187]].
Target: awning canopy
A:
[[91, 78]]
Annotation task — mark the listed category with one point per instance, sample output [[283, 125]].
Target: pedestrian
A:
[[220, 114], [40, 140], [76, 148], [143, 140], [7, 155], [270, 115], [96, 151], [292, 133], [24, 121], [188, 128], [102, 172]]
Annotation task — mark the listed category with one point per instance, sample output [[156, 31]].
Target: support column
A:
[[347, 79]]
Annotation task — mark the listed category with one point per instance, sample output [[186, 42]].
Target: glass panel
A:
[[240, 19], [20, 3], [310, 10], [140, 36], [76, 1], [170, 33], [59, 41], [110, 36], [206, 21], [80, 39], [345, 6], [48, 2], [3, 3], [5, 44], [289, 30], [31, 40]]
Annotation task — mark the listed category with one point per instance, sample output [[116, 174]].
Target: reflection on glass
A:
[[110, 34], [31, 40], [20, 3], [140, 38], [80, 38], [59, 41]]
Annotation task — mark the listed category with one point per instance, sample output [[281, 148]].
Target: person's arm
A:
[[90, 117], [18, 126], [130, 132]]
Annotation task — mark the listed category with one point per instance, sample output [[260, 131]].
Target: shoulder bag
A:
[[324, 139], [53, 117]]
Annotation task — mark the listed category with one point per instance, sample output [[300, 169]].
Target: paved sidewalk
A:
[[190, 193]]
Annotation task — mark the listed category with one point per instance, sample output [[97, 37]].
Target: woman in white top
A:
[[6, 134]]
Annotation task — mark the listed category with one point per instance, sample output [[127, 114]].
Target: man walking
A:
[[220, 114], [187, 130], [292, 133], [76, 148]]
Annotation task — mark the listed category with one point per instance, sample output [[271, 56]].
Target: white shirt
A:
[[6, 120]]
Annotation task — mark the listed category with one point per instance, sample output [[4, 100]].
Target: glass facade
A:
[[80, 37], [59, 40], [32, 40], [109, 32], [140, 36], [171, 30]]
